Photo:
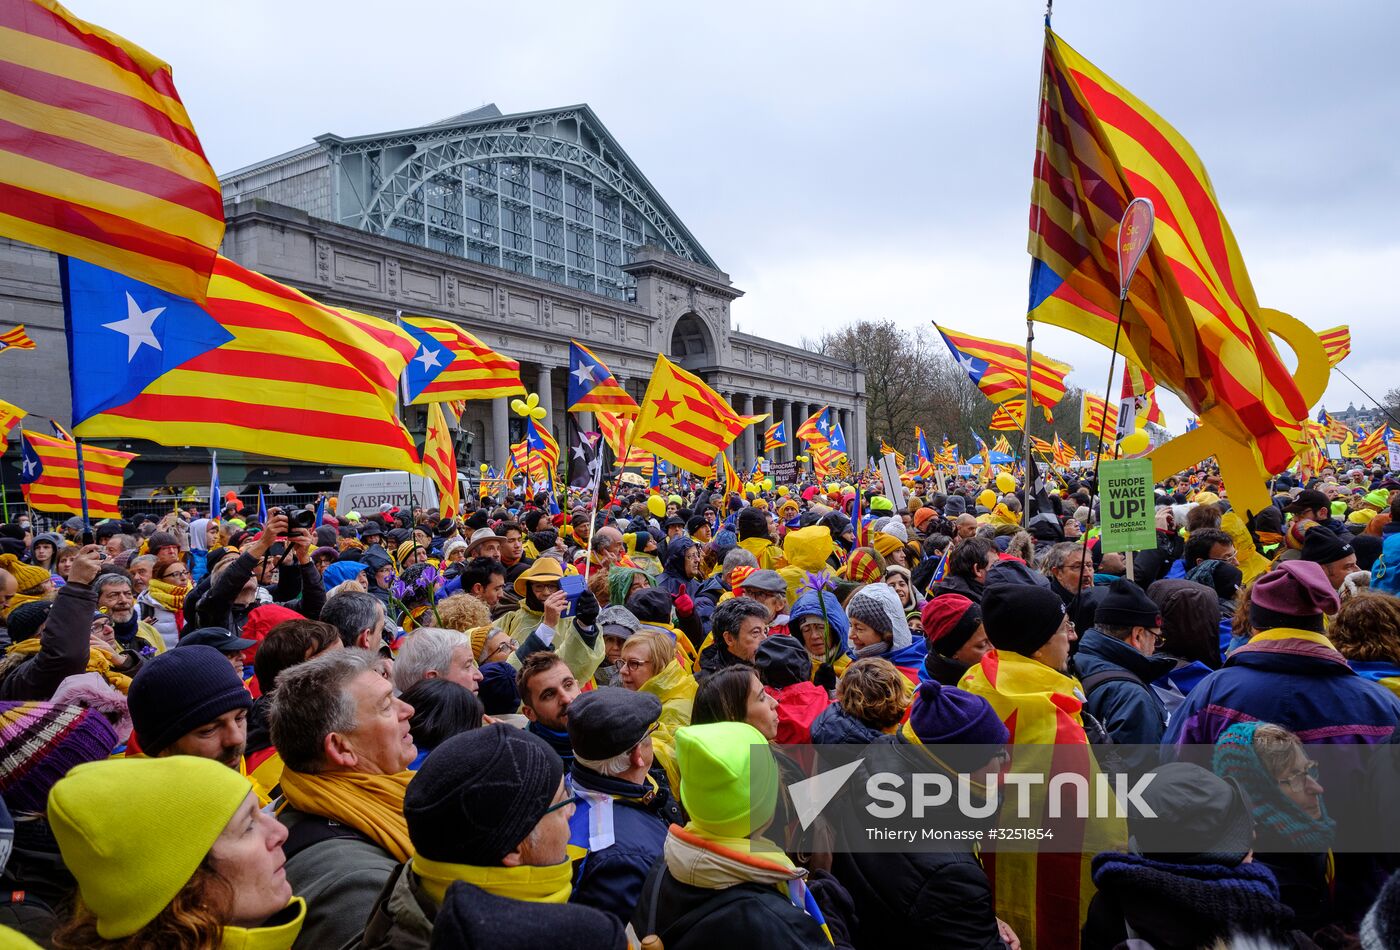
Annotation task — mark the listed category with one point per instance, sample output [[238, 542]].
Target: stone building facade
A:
[[527, 229]]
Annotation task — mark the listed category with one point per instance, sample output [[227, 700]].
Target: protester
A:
[[209, 873], [622, 810], [1190, 880], [739, 626], [436, 653], [785, 669], [871, 700], [819, 621], [346, 747], [717, 878], [547, 689], [879, 628], [648, 663], [441, 710], [956, 638]]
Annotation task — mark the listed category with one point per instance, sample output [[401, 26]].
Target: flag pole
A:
[[1040, 132], [1373, 399], [82, 481]]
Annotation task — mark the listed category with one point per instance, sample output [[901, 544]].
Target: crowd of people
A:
[[518, 728]]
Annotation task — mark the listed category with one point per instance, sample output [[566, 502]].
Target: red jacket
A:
[[798, 707]]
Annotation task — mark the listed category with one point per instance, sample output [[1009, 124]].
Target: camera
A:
[[301, 518]]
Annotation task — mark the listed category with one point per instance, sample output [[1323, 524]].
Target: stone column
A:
[[790, 450], [728, 397], [500, 433], [860, 424], [747, 456]]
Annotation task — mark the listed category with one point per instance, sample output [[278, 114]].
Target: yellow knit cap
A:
[[127, 878], [26, 575]]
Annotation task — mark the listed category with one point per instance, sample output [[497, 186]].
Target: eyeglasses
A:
[[1298, 780], [633, 665], [1158, 638], [568, 796], [181, 575], [505, 646]]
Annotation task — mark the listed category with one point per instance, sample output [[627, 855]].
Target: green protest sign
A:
[[1125, 505]]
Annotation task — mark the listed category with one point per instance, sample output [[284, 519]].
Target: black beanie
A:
[[26, 619], [650, 605], [1321, 546], [481, 793], [1021, 617], [1127, 605], [180, 690]]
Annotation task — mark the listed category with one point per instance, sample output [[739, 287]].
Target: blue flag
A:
[[215, 493], [262, 507], [320, 510], [837, 439]]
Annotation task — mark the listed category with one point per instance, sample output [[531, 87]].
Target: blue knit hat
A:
[[179, 691], [945, 715]]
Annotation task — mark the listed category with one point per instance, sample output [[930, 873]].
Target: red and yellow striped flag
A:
[[684, 421], [476, 370], [1337, 343], [16, 339], [1063, 452], [725, 475], [816, 427], [1192, 318], [1139, 382], [49, 476], [98, 159], [617, 433], [9, 418], [1009, 416], [1040, 445], [999, 369], [260, 367], [1092, 411], [440, 462]]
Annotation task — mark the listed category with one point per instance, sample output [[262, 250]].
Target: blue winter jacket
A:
[[637, 820], [1385, 572], [1129, 710], [1296, 679]]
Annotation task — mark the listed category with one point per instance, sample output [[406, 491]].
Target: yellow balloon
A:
[[532, 400], [537, 413], [1134, 443], [484, 467], [782, 489], [518, 407], [1006, 483]]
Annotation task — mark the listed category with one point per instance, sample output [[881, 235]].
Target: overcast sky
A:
[[845, 161]]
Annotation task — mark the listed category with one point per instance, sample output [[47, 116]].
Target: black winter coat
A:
[[745, 915], [919, 899]]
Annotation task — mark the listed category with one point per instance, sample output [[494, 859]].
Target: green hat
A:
[[1380, 498], [1339, 508], [881, 503], [729, 779]]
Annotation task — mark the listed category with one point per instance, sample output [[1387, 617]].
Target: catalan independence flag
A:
[[999, 369], [469, 368], [1192, 318], [440, 462], [49, 476], [16, 339], [684, 421], [774, 437], [1337, 343], [1094, 413], [1009, 416], [816, 428], [593, 387], [9, 418], [1374, 445], [1138, 383], [259, 368], [617, 433], [98, 159], [726, 476], [537, 454]]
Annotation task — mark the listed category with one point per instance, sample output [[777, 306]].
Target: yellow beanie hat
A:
[[127, 879], [886, 544], [27, 576]]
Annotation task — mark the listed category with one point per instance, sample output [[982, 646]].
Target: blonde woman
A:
[[648, 664]]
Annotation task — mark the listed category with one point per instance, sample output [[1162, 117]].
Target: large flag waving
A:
[[816, 428], [1092, 413], [1191, 318], [469, 369], [684, 421], [999, 369], [259, 368], [49, 476], [593, 387], [98, 159], [440, 462]]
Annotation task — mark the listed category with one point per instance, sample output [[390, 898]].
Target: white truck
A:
[[365, 492]]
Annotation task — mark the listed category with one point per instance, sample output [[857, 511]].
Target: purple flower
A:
[[399, 589], [430, 574]]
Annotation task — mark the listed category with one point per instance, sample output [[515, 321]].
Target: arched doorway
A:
[[692, 344]]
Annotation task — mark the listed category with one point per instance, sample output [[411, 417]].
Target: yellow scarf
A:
[[169, 596], [540, 885], [18, 600], [98, 662], [270, 936], [371, 804]]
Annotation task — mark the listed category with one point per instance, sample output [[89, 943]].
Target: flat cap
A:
[[608, 721]]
